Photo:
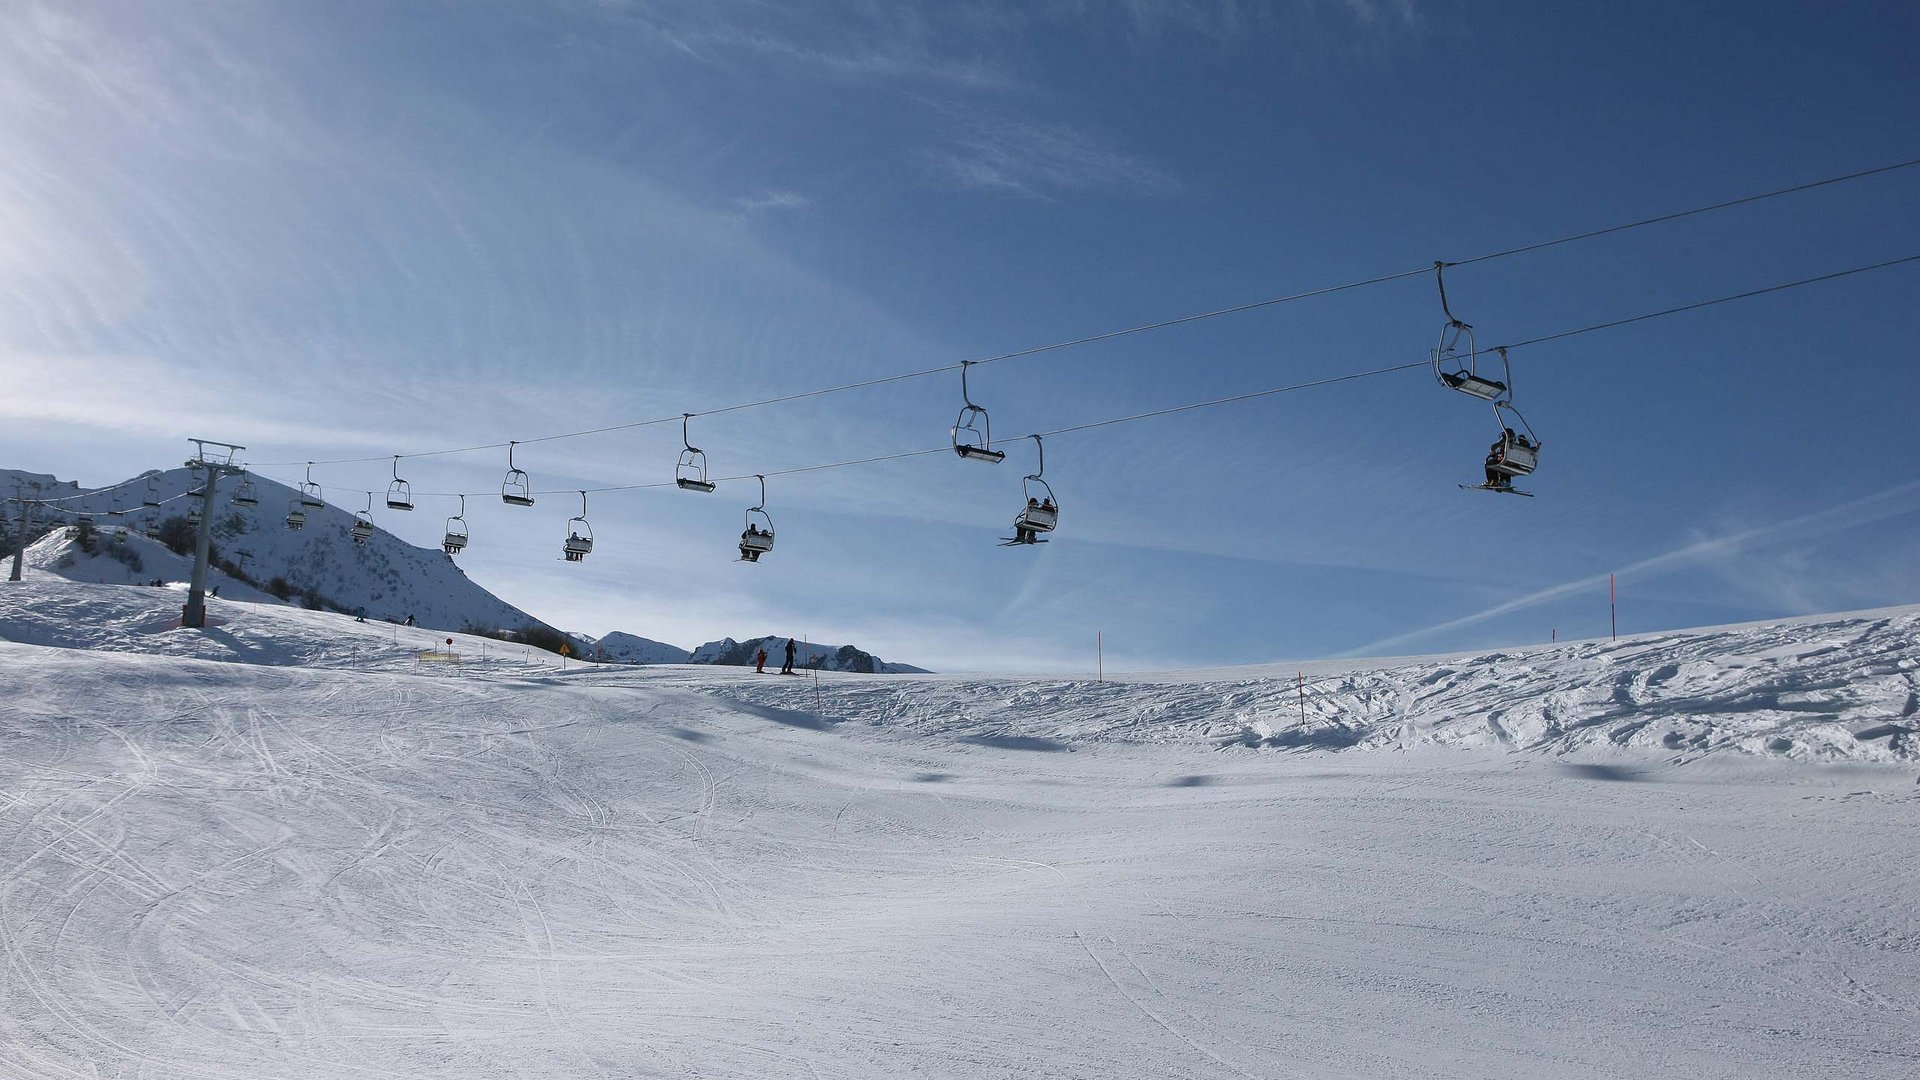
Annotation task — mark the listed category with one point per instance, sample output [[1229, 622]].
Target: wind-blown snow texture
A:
[[376, 864]]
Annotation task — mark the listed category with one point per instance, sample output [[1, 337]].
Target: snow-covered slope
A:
[[48, 611], [377, 865], [624, 648], [1844, 687], [807, 654], [385, 579], [124, 557]]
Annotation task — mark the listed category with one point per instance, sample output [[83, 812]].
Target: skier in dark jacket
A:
[[787, 668]]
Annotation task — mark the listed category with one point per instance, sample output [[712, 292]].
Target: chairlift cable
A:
[[1163, 323], [1251, 395]]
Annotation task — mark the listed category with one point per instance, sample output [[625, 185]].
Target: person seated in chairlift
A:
[[1496, 455], [1049, 507]]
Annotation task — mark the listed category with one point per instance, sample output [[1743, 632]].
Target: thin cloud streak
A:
[[1712, 547]]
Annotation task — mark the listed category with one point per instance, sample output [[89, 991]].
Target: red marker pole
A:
[[1613, 611]]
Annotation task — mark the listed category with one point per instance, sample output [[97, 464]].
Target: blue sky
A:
[[333, 230]]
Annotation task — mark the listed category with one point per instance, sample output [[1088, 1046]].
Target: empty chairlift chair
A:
[[973, 429], [1457, 370], [455, 541], [579, 534], [1041, 514], [690, 472], [516, 489], [151, 497], [399, 492], [757, 539], [244, 495], [310, 496]]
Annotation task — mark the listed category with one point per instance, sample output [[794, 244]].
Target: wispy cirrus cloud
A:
[[1879, 506], [1041, 159], [772, 200]]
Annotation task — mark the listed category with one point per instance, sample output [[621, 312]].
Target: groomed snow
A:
[[351, 862]]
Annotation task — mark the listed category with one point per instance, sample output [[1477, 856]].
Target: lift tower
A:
[[217, 460]]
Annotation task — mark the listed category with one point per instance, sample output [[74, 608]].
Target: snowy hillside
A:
[[124, 557], [806, 654], [362, 852], [1840, 687], [386, 578]]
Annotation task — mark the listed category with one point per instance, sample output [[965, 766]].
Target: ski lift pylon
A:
[[1041, 514], [516, 489], [755, 540], [690, 472], [973, 429], [579, 534], [399, 492], [456, 538], [1455, 370]]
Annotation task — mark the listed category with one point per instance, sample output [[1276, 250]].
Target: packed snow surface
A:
[[368, 853]]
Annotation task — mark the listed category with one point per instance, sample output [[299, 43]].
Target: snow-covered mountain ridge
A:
[[807, 654]]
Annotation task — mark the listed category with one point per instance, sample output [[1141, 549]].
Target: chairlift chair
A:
[[244, 494], [193, 516], [151, 497], [579, 534], [310, 496], [296, 516], [456, 539], [973, 429], [362, 530], [399, 492], [690, 472], [114, 509], [757, 539], [1519, 453], [1512, 454], [1457, 371], [1041, 514], [516, 489]]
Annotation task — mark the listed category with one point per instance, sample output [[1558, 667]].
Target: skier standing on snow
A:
[[787, 668], [760, 663]]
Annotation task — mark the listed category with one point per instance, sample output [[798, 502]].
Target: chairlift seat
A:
[[969, 452], [689, 484], [296, 519], [399, 497], [1517, 458], [362, 531], [1468, 383], [245, 496], [578, 547], [453, 543], [1039, 519], [755, 544], [311, 501]]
